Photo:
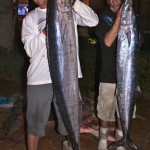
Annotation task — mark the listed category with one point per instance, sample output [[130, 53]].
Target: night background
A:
[[14, 64]]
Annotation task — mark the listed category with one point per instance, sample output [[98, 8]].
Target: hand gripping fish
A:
[[127, 54], [62, 59]]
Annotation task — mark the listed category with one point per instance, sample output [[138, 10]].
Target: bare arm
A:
[[111, 35], [84, 15]]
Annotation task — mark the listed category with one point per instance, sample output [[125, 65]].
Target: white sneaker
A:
[[66, 146], [121, 148], [95, 134], [102, 145]]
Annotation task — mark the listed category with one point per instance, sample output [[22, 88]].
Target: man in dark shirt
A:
[[107, 32]]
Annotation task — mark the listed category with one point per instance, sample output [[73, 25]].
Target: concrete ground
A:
[[140, 133]]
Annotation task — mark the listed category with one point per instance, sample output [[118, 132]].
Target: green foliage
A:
[[10, 65], [145, 64], [146, 42], [4, 51], [87, 51]]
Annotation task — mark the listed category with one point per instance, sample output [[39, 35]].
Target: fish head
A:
[[128, 15]]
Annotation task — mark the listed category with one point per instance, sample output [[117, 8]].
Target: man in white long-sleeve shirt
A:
[[39, 87]]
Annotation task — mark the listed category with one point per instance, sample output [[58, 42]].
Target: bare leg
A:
[[119, 133], [32, 142], [102, 145], [104, 130], [119, 126], [104, 124], [67, 144]]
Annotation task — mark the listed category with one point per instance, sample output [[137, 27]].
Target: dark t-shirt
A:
[[108, 54]]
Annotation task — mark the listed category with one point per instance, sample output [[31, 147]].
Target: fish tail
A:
[[76, 148], [124, 143]]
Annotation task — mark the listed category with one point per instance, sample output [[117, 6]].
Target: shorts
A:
[[39, 99], [107, 105]]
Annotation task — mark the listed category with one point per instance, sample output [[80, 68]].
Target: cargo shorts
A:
[[107, 106], [39, 99]]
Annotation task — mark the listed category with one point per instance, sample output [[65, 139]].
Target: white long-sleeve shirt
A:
[[35, 41]]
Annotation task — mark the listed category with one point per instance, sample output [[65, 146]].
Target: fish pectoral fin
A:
[[128, 34], [63, 26], [123, 143]]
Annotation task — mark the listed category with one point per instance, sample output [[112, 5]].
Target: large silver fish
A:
[[127, 54], [62, 58]]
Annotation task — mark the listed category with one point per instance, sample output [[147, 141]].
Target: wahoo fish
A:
[[127, 54], [62, 59]]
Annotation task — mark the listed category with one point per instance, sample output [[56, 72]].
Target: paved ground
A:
[[140, 132]]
